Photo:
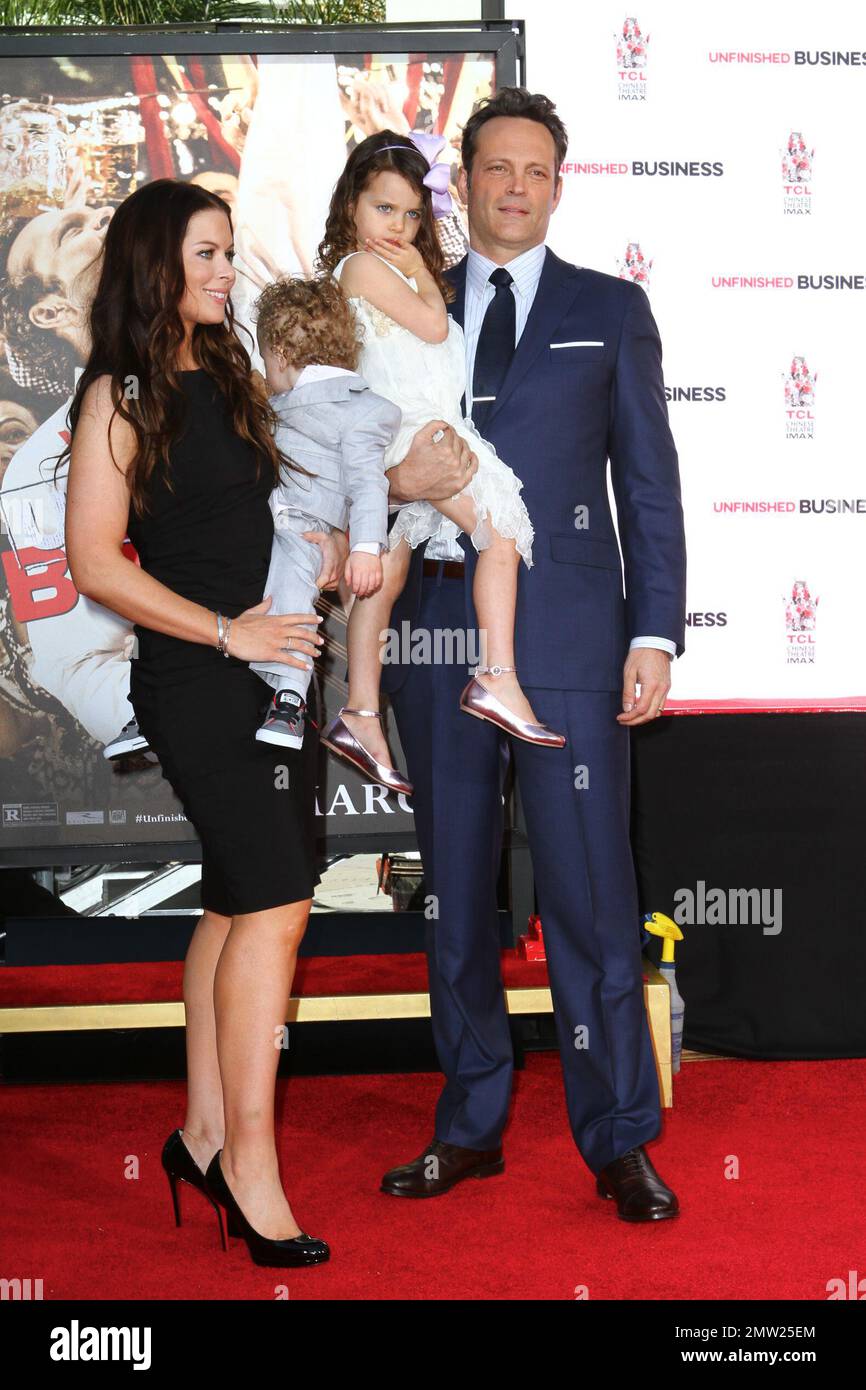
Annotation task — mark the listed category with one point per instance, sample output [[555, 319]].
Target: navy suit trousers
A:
[[576, 803]]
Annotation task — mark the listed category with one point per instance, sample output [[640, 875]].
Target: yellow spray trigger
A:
[[657, 924]]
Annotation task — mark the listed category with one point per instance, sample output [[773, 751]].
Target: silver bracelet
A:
[[223, 633]]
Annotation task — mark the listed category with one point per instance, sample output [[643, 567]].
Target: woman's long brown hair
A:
[[366, 160], [136, 332]]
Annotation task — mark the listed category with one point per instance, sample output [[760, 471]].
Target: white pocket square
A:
[[586, 343]]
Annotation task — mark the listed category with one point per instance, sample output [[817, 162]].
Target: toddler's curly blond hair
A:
[[308, 322]]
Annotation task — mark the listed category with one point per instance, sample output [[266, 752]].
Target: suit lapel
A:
[[558, 287]]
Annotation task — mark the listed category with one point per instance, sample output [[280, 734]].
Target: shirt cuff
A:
[[366, 547], [662, 642]]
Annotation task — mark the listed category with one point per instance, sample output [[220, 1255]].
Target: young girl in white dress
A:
[[381, 245]]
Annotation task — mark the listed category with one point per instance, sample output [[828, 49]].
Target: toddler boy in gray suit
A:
[[337, 429]]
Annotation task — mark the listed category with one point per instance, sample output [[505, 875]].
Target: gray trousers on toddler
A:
[[294, 569]]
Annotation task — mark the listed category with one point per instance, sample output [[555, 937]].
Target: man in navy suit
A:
[[582, 385]]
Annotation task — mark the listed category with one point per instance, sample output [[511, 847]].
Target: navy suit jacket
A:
[[560, 414]]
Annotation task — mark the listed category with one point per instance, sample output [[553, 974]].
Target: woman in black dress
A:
[[172, 444]]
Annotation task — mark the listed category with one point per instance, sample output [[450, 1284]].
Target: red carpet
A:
[[793, 1219]]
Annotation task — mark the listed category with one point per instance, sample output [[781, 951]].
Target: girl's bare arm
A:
[[424, 313]]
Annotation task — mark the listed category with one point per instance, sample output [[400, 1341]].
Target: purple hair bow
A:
[[438, 176]]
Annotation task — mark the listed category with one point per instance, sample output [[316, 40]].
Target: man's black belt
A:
[[454, 569]]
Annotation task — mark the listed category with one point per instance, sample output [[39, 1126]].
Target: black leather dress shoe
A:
[[441, 1166], [639, 1191]]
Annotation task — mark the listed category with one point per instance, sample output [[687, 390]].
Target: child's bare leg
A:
[[367, 619], [346, 597], [494, 591]]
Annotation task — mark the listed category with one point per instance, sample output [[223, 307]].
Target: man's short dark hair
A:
[[514, 101]]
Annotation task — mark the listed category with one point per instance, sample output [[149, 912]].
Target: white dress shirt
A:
[[525, 272], [320, 372]]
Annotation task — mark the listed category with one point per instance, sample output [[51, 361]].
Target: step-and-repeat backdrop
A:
[[713, 158]]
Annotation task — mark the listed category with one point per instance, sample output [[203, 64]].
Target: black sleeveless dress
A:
[[251, 803]]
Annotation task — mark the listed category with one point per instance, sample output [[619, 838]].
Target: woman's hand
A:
[[292, 638], [373, 106], [334, 546], [405, 255]]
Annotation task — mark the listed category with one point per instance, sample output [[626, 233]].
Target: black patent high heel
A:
[[180, 1166], [300, 1250]]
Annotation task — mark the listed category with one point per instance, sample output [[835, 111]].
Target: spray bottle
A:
[[659, 925]]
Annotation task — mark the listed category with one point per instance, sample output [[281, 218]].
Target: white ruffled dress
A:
[[427, 381]]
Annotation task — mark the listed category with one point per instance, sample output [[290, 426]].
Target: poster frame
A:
[[504, 39]]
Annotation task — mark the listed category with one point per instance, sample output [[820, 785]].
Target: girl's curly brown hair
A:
[[136, 331], [308, 322], [366, 160]]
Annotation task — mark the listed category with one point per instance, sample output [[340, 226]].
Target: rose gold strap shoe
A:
[[477, 699], [340, 739]]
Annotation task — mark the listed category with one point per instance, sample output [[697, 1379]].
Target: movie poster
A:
[[270, 133]]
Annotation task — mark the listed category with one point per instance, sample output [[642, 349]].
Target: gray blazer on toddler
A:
[[338, 428]]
